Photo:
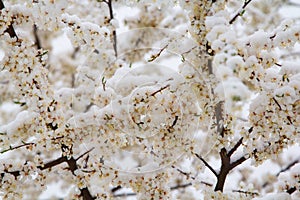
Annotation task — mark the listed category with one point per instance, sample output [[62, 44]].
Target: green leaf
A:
[[242, 12], [20, 103], [236, 98], [182, 58]]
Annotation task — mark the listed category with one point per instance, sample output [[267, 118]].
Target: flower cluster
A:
[[143, 113]]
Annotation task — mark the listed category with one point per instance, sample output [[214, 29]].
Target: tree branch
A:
[[114, 189], [277, 103], [85, 153], [207, 165], [236, 146], [72, 166], [289, 166], [238, 162], [181, 186], [224, 170], [16, 147], [246, 3], [37, 39], [111, 15], [53, 163], [227, 165], [133, 194], [291, 190], [161, 89], [188, 175], [246, 192]]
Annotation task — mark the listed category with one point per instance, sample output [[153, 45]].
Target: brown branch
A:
[[188, 175], [289, 166], [240, 12], [14, 173], [16, 147], [227, 166], [206, 183], [111, 15], [277, 103], [207, 165], [175, 121], [236, 146], [181, 186], [117, 188], [238, 162], [86, 195], [10, 30], [72, 166], [291, 190], [153, 57], [246, 192], [36, 37], [84, 192], [161, 89], [85, 153], [53, 163]]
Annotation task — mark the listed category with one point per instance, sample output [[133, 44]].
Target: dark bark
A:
[[226, 165], [246, 3]]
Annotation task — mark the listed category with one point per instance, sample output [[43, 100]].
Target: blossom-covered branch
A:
[[10, 30]]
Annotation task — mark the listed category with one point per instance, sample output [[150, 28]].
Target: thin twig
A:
[[153, 57], [188, 175], [207, 165], [277, 103], [240, 12], [114, 189], [236, 146], [111, 15], [289, 166], [161, 89], [181, 186], [72, 166], [246, 192], [85, 153], [237, 162], [36, 37], [16, 147]]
